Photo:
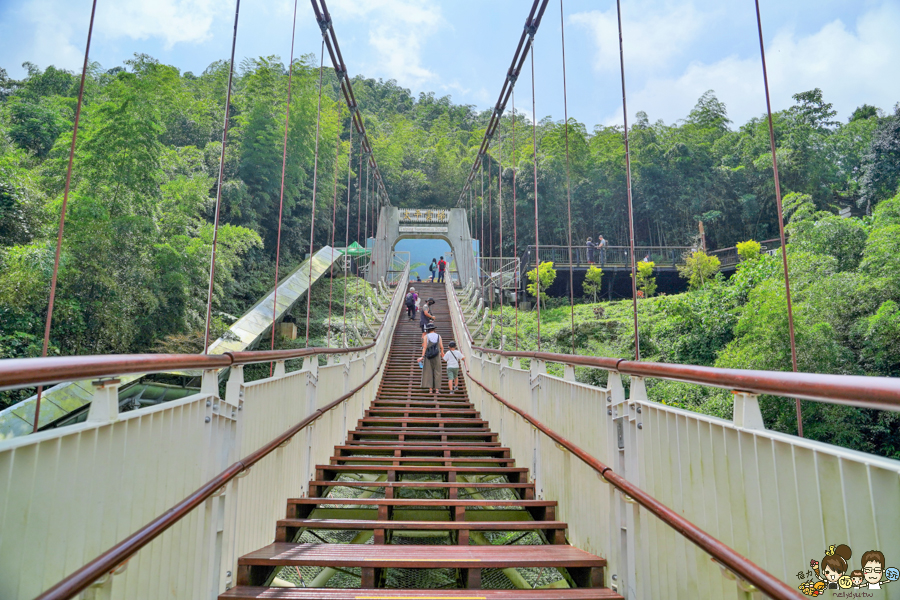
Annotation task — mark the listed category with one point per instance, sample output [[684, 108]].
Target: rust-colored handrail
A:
[[110, 560], [26, 372], [882, 393], [23, 372], [726, 556]]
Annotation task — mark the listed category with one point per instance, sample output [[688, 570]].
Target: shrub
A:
[[699, 268], [748, 250], [548, 276]]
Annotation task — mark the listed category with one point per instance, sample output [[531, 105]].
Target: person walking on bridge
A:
[[453, 357], [442, 267], [425, 317], [412, 301], [432, 350], [590, 250], [433, 267]]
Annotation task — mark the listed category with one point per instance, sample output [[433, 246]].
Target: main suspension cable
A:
[[323, 17], [537, 247], [562, 25], [778, 205], [312, 221], [212, 259], [525, 41], [637, 347], [62, 215], [287, 117]]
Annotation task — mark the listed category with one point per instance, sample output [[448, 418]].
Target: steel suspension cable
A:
[[562, 25], [287, 117], [481, 240], [212, 260], [366, 228], [778, 205], [500, 206], [346, 258], [62, 215], [337, 153], [637, 348], [490, 207], [312, 221], [537, 247], [515, 221], [359, 199]]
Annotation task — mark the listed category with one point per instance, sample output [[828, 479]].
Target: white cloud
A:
[[850, 65], [398, 30], [652, 38], [171, 21]]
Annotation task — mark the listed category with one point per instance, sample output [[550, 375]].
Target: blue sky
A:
[[674, 50]]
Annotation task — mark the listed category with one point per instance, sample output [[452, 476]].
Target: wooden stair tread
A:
[[421, 502], [265, 593], [421, 525], [420, 557]]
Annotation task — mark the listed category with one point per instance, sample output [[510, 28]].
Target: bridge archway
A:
[[450, 225]]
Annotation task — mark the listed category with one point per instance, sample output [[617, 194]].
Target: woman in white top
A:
[[453, 358], [432, 350]]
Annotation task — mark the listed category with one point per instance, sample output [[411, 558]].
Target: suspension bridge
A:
[[345, 479]]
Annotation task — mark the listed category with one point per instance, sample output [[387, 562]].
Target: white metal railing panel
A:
[[777, 499], [69, 494]]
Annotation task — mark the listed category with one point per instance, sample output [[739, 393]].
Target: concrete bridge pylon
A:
[[448, 224]]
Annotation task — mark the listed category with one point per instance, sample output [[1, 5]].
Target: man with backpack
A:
[[432, 350], [412, 298], [426, 318], [442, 266]]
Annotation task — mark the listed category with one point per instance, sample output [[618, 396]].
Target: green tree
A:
[[592, 280], [699, 268], [646, 282], [547, 277]]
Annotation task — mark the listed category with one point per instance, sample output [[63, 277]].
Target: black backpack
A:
[[432, 350], [410, 300]]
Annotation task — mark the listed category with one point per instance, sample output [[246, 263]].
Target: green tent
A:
[[355, 249]]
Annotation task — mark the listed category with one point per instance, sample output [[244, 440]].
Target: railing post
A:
[[234, 389], [615, 400], [105, 403], [746, 411], [569, 374], [630, 418], [278, 372], [538, 368]]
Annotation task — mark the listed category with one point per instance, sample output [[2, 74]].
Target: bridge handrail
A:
[[79, 580], [26, 372], [51, 369], [721, 553], [882, 393]]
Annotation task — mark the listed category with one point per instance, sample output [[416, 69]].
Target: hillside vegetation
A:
[[135, 254]]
